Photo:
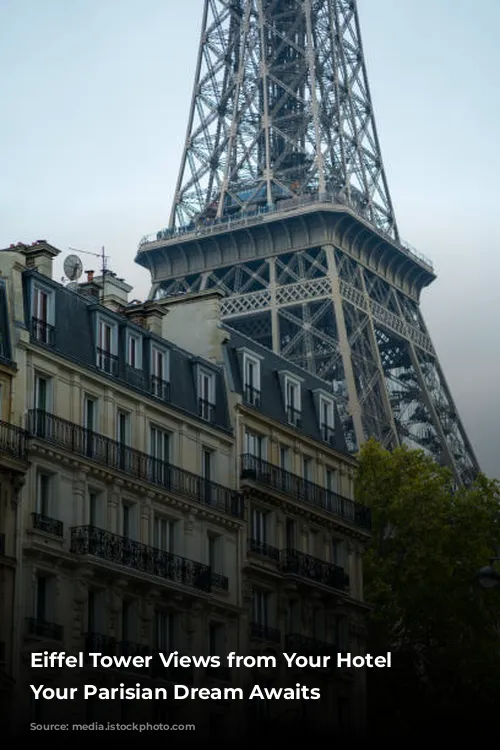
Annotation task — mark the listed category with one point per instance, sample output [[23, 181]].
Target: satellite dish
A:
[[73, 267]]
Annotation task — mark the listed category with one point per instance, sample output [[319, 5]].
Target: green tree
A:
[[420, 575]]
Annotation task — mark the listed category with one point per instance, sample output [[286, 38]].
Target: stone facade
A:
[[153, 499]]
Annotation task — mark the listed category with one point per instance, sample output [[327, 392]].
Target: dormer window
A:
[[107, 346], [251, 379], [42, 315], [327, 420], [293, 401], [160, 376], [134, 351], [206, 395]]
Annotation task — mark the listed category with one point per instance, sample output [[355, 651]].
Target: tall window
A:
[[216, 639], [260, 608], [95, 612], [1, 400], [251, 384], [164, 534], [290, 533], [254, 445], [91, 612], [42, 589], [42, 393], [285, 457], [339, 555], [307, 469], [123, 438], [90, 423], [127, 521], [164, 631], [134, 358], [259, 525], [159, 449], [43, 495], [40, 305], [293, 616], [94, 508], [42, 319], [159, 373], [206, 395], [106, 347], [292, 396], [207, 464], [326, 412], [312, 543], [126, 620], [215, 561]]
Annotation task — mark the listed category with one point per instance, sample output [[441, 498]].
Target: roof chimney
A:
[[90, 276]]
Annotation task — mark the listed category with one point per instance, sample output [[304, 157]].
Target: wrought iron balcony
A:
[[89, 540], [43, 629], [263, 549], [206, 410], [220, 582], [160, 388], [279, 479], [301, 565], [48, 525], [42, 332], [116, 455], [13, 441], [264, 633], [107, 362], [301, 644], [251, 396]]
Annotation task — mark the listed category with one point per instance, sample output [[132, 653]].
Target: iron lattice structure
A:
[[282, 204]]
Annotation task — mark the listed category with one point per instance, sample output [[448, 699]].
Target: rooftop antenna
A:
[[104, 263]]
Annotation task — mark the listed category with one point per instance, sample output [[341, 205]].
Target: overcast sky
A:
[[94, 98]]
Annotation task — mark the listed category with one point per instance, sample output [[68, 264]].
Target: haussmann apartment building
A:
[[168, 484]]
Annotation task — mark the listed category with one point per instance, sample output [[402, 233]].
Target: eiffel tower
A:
[[282, 203]]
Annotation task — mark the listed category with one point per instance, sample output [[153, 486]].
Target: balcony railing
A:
[[141, 466], [251, 396], [107, 362], [160, 388], [284, 481], [42, 332], [13, 441], [263, 549], [43, 629], [220, 582], [206, 410], [264, 633], [301, 644], [48, 525], [301, 565], [89, 540]]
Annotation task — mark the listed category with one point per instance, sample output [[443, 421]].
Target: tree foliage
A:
[[420, 574]]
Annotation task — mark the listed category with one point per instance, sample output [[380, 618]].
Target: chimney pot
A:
[[90, 276]]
